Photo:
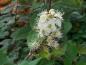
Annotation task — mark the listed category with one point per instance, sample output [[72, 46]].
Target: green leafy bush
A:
[[17, 32]]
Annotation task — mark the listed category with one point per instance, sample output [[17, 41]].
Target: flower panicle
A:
[[49, 26]]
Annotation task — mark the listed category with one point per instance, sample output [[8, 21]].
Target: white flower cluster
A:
[[49, 25], [49, 22]]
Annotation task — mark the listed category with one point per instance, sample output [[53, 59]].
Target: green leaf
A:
[[71, 3], [3, 57], [31, 38], [25, 1], [6, 43], [46, 62], [7, 9], [34, 62], [81, 63], [82, 60], [66, 26], [3, 34], [45, 53], [58, 52], [71, 53], [21, 33], [36, 5], [82, 49]]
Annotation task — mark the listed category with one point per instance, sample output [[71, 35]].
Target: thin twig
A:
[[49, 4]]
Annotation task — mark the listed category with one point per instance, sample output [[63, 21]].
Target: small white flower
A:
[[58, 15], [43, 18], [44, 13], [53, 44], [58, 34], [33, 45], [52, 11]]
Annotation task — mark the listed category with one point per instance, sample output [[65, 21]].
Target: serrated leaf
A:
[[20, 33]]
